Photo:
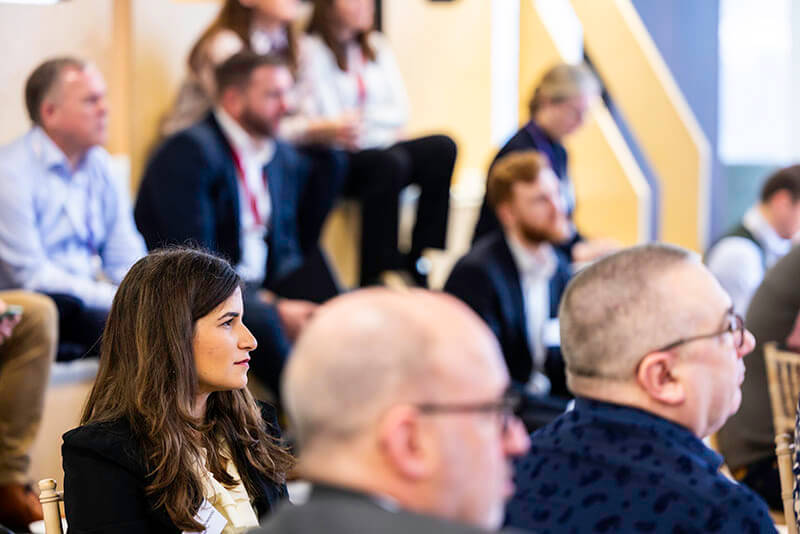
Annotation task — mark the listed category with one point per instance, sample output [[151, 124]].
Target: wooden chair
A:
[[51, 507], [783, 377]]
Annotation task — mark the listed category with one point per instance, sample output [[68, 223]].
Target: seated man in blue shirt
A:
[[653, 352], [66, 224]]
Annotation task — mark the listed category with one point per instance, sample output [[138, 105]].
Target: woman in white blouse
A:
[[263, 26], [349, 77]]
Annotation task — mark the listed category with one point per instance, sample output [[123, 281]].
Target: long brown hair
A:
[[147, 377], [237, 18], [323, 22]]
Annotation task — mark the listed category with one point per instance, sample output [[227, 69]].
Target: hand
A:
[[593, 249], [294, 315], [343, 131], [7, 325]]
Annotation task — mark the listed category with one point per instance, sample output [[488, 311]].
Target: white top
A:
[[325, 91], [737, 262], [233, 504], [254, 155], [536, 268]]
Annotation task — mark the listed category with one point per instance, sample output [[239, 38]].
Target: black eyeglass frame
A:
[[508, 406], [736, 328]]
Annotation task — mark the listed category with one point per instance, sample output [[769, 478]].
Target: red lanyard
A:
[[249, 195], [361, 86]]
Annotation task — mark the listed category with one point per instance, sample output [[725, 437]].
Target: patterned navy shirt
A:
[[609, 468]]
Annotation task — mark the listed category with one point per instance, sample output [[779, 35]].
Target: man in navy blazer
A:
[[227, 184], [514, 277]]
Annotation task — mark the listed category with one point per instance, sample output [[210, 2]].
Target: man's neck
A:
[[533, 247], [768, 216], [542, 119], [241, 132], [73, 153]]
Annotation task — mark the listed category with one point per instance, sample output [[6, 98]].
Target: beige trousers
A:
[[25, 360]]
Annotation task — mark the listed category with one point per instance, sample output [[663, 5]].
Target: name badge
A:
[[211, 518]]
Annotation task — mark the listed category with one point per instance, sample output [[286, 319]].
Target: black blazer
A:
[[487, 279], [189, 194], [105, 476]]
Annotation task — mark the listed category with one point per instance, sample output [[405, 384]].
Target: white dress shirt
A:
[[254, 155], [738, 263], [536, 267], [326, 91]]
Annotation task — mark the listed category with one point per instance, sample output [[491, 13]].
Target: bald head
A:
[[620, 308], [368, 350]]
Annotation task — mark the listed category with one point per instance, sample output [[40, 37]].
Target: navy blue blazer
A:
[[487, 279], [529, 137], [189, 194]]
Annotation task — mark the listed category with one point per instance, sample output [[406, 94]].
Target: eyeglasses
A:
[[734, 327], [508, 407]]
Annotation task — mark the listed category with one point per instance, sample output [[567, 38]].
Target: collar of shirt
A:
[[51, 156], [243, 143], [539, 263], [774, 245], [264, 42], [663, 431]]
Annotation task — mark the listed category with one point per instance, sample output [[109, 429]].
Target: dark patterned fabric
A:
[[609, 468]]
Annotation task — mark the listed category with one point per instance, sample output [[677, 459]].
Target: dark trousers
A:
[[323, 186], [80, 327], [376, 178], [267, 361]]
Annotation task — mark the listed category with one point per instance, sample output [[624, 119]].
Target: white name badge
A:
[[551, 334], [211, 518]]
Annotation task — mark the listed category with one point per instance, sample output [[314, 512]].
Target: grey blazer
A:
[[341, 511]]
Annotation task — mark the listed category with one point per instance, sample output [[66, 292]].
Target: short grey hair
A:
[[617, 310]]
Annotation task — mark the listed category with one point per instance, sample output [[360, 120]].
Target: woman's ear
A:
[[402, 440], [656, 376]]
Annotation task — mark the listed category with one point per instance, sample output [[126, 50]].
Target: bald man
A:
[[653, 353], [402, 416]]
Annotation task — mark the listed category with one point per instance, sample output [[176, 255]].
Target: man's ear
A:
[[656, 376], [47, 109], [402, 440], [232, 101], [504, 215]]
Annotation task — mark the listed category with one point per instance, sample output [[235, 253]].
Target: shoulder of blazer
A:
[[113, 440]]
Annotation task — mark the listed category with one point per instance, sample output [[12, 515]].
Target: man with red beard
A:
[[513, 277]]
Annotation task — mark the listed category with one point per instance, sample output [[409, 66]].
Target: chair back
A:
[[783, 377], [784, 451], [51, 509]]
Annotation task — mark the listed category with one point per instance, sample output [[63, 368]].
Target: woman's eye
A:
[[229, 322]]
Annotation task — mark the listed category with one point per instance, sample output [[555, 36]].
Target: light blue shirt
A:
[[63, 231]]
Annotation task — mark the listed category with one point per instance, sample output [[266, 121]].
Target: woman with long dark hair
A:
[[349, 70], [171, 439]]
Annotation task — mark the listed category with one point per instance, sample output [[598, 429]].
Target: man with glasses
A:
[[403, 423], [653, 353], [748, 439]]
